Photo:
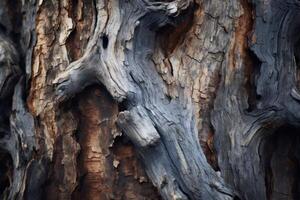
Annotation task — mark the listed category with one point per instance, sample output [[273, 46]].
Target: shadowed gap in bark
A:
[[252, 72], [173, 34], [12, 23], [105, 41], [297, 58], [82, 13], [281, 163], [6, 173]]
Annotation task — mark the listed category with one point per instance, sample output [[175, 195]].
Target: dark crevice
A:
[[252, 73], [78, 38], [171, 68], [105, 41], [11, 18], [281, 162], [297, 59], [236, 198], [207, 132], [72, 46], [123, 105], [210, 151], [252, 64], [2, 28], [172, 35], [6, 172]]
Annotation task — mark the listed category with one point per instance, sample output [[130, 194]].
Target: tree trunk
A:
[[148, 99]]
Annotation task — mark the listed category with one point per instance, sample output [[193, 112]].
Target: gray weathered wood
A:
[[186, 77]]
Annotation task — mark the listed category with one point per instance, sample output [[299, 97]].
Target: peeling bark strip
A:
[[191, 99]]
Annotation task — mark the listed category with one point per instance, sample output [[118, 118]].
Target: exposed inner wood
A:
[[107, 166]]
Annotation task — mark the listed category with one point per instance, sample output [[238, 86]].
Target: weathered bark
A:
[[147, 99]]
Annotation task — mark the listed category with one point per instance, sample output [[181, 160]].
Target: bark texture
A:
[[148, 99]]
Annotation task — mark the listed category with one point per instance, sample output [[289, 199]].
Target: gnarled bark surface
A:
[[148, 99]]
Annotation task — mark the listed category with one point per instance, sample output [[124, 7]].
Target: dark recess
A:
[[281, 158], [104, 41], [252, 74], [297, 59], [6, 167]]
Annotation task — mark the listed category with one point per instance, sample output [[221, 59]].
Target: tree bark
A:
[[148, 99]]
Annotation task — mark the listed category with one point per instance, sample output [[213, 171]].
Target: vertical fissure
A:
[[297, 60]]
